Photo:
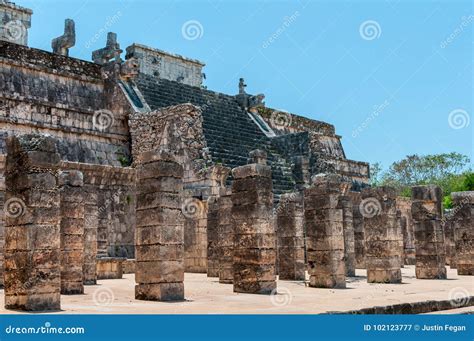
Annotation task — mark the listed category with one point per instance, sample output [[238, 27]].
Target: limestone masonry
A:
[[116, 166]]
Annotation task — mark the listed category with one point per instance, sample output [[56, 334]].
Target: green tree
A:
[[449, 171]]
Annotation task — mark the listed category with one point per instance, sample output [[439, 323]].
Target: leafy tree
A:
[[449, 171]]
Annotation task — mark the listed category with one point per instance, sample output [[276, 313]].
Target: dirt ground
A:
[[206, 296]]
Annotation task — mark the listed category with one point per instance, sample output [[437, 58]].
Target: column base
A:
[[160, 292]]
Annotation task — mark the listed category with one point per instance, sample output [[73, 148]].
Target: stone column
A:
[[463, 225], [213, 249], [254, 233], [358, 225], [72, 232], [225, 237], [383, 237], [91, 224], [32, 239], [406, 221], [426, 210], [290, 236], [448, 228], [195, 234], [349, 244], [2, 215], [159, 234], [324, 232]]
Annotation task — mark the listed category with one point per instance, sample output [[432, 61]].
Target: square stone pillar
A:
[[91, 224], [324, 232], [358, 225], [159, 234], [463, 226], [448, 228], [225, 237], [383, 237], [254, 231], [195, 234], [32, 238], [345, 204], [72, 232], [213, 249], [290, 236], [426, 210]]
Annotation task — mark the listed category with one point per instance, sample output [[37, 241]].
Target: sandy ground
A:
[[206, 296]]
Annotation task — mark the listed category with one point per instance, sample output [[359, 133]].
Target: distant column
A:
[[383, 237], [72, 232], [225, 238], [463, 225], [450, 245], [429, 236], [91, 225], [213, 249], [325, 232], [32, 238], [358, 225], [254, 234], [349, 243], [290, 236], [159, 234]]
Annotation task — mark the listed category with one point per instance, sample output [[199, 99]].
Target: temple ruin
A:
[[114, 166]]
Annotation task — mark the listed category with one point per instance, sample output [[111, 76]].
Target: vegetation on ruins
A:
[[451, 171]]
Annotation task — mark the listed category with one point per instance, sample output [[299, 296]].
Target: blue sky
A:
[[394, 77]]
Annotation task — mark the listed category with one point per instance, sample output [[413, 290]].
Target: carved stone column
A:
[[429, 236], [254, 232], [72, 232], [325, 232], [225, 237], [383, 237], [463, 225], [32, 238], [159, 234]]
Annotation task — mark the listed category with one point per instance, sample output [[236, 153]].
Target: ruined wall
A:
[[41, 92], [165, 65]]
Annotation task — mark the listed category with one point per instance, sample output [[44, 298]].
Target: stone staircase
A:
[[230, 132]]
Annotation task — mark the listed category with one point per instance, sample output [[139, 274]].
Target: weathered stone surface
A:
[[213, 247], [109, 268], [32, 242], [324, 221], [290, 237], [159, 264], [72, 232], [253, 261], [358, 224], [463, 227], [91, 224], [406, 222], [429, 236], [349, 242], [225, 237], [383, 237]]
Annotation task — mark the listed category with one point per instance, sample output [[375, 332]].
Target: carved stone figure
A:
[[62, 44]]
